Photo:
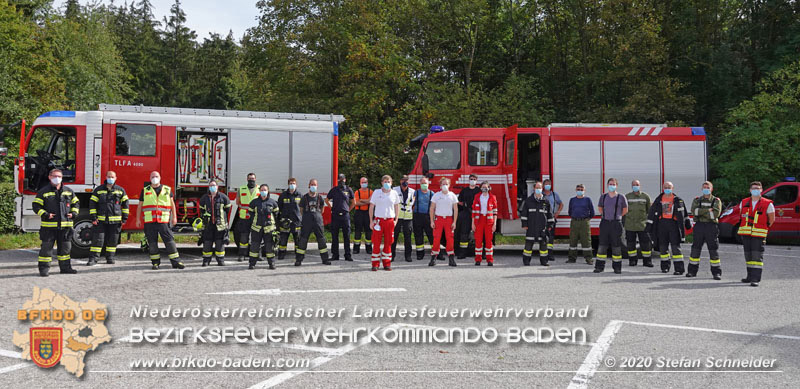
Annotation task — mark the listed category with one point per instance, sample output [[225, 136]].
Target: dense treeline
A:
[[394, 68]]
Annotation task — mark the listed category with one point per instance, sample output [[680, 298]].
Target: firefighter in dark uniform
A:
[[157, 207], [58, 206], [405, 219], [465, 200], [341, 199], [758, 215], [289, 206], [613, 207], [263, 212], [363, 231], [537, 219], [668, 221], [706, 210], [215, 209], [422, 218], [311, 206], [635, 222], [242, 223], [108, 208]]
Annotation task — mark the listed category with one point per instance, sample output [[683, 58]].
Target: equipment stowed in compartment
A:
[[202, 157]]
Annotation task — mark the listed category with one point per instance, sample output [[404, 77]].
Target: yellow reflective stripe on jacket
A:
[[157, 208], [38, 201]]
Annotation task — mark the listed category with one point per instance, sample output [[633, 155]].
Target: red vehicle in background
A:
[[512, 159], [786, 199]]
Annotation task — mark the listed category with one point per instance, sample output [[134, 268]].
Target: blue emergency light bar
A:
[[58, 114], [698, 131], [436, 129]]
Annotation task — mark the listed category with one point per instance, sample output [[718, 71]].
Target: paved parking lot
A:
[[641, 317]]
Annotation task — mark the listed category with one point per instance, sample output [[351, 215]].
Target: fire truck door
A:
[[509, 168], [133, 155]]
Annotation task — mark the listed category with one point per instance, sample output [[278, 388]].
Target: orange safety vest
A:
[[363, 194], [754, 220]]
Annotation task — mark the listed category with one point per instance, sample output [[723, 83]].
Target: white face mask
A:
[[445, 188], [55, 180], [473, 182], [155, 180]]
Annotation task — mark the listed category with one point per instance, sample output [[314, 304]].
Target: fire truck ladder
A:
[[218, 112]]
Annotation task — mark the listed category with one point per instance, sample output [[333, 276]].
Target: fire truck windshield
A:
[[49, 148], [443, 155]]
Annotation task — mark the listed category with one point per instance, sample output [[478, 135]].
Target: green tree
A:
[[762, 135]]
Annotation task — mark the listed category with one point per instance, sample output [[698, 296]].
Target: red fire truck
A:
[[190, 147], [785, 196], [513, 158]]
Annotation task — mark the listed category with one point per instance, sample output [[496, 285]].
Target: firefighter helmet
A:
[[197, 225], [145, 246]]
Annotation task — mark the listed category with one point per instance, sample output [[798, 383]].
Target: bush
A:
[[7, 208]]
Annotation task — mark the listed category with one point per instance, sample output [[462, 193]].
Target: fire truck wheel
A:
[[82, 238]]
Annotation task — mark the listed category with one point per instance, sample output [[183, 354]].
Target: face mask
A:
[[473, 182], [404, 183], [264, 193], [547, 187], [667, 191], [579, 192], [445, 187], [612, 188], [484, 189], [538, 191], [341, 183], [423, 186], [111, 181], [364, 185], [755, 192], [706, 191], [55, 180], [636, 188], [292, 186], [155, 180], [212, 189], [251, 184], [387, 185], [313, 188]]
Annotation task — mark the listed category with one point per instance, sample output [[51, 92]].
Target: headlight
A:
[[727, 212]]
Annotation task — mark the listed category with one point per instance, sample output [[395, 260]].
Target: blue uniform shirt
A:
[[554, 201], [340, 199], [422, 203], [581, 208]]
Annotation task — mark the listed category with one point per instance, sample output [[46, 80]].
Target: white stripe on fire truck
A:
[[633, 131], [645, 131], [657, 131]]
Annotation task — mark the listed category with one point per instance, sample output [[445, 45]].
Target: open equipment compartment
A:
[[202, 156]]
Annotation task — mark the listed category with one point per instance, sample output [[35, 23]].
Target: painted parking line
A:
[[278, 292], [594, 359], [10, 354], [14, 367]]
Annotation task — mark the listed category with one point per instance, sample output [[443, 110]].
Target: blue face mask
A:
[[635, 188], [264, 193], [387, 185], [292, 186], [538, 190], [612, 188], [755, 192], [667, 191], [313, 188], [579, 192], [547, 187], [212, 189], [111, 181], [364, 185], [706, 191]]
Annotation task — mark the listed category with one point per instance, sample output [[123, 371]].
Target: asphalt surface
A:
[[641, 316]]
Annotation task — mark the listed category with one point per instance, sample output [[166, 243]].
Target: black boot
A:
[[66, 267], [281, 254], [716, 272], [679, 269], [91, 262], [240, 259], [665, 264], [356, 248], [44, 269], [526, 261], [647, 262], [617, 266], [253, 262], [155, 263], [452, 260], [221, 261], [543, 261], [633, 261], [369, 248], [462, 253], [433, 260], [206, 262], [271, 264], [599, 266], [179, 264], [691, 270], [110, 260]]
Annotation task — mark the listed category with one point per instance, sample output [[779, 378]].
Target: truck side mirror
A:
[[425, 166]]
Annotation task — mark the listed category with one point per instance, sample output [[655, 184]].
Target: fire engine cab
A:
[[512, 159], [189, 147]]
